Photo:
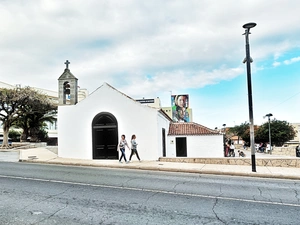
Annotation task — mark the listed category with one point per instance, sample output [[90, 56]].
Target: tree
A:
[[281, 132], [241, 131], [37, 123], [17, 103], [246, 135], [38, 111], [12, 103]]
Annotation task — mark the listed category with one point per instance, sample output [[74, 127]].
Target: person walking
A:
[[134, 148], [232, 153], [122, 145], [227, 149]]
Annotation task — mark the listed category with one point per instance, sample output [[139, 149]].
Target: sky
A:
[[160, 48]]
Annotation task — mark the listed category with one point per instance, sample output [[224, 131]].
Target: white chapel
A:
[[91, 128]]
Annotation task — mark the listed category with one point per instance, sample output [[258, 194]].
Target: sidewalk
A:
[[43, 155]]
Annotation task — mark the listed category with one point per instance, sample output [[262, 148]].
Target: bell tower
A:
[[67, 87]]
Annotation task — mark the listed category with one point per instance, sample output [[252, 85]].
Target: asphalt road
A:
[[49, 194]]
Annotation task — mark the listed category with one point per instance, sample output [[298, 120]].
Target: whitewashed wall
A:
[[162, 122], [75, 124], [198, 146]]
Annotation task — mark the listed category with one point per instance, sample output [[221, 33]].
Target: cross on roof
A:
[[67, 64]]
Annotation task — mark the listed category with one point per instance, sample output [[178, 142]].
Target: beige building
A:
[[296, 140]]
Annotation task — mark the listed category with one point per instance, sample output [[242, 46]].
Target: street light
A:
[[224, 129], [248, 60], [269, 115], [221, 130]]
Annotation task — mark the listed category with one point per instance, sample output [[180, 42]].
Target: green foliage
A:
[[34, 123], [281, 132], [42, 135], [14, 135], [241, 131]]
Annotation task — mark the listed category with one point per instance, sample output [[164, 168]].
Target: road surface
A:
[[52, 194]]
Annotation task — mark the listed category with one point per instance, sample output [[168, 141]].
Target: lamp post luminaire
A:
[[269, 115], [248, 60], [221, 130], [224, 128]]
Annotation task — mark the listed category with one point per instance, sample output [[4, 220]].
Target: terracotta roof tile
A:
[[190, 128]]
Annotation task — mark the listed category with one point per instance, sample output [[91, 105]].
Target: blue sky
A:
[[155, 48]]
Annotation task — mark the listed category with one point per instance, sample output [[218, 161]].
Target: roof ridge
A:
[[113, 88], [190, 128]]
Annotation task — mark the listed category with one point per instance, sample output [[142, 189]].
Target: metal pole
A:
[[270, 137], [250, 103]]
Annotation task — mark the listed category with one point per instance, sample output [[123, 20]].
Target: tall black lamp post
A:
[[248, 60], [269, 115]]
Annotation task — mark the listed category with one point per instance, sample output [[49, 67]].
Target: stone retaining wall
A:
[[276, 162], [28, 144], [289, 151]]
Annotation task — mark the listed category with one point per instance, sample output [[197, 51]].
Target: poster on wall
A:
[[180, 105]]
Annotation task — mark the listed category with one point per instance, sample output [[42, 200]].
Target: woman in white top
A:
[[232, 153], [122, 145]]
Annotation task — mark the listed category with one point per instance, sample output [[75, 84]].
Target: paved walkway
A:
[[9, 156], [43, 155]]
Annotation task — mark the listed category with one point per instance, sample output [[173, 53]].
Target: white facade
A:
[[198, 146], [75, 124]]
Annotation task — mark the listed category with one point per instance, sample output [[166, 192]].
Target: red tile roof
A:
[[190, 128]]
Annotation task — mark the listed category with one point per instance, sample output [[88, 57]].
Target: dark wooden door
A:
[[105, 136], [164, 142], [181, 147]]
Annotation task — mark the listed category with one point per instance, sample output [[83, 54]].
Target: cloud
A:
[[179, 44], [292, 60], [179, 80], [286, 62]]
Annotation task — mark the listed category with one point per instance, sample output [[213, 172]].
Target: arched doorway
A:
[[105, 136]]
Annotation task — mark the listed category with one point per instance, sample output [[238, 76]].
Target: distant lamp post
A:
[[270, 144], [248, 60], [224, 129], [221, 130]]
